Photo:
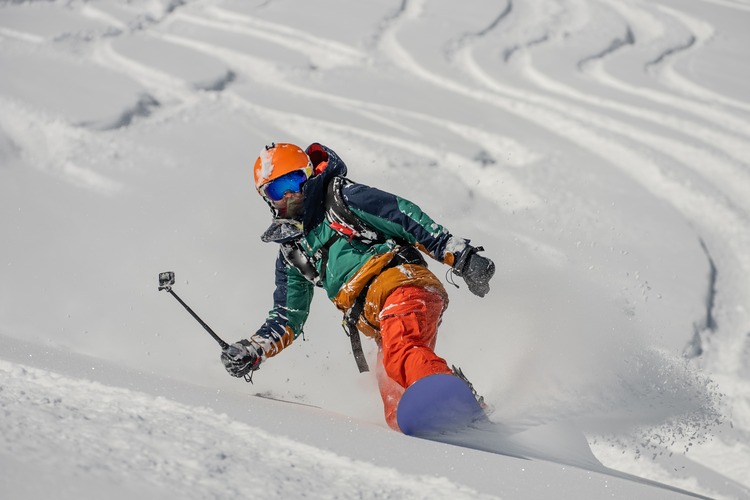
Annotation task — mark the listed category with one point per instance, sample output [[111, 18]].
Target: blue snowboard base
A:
[[437, 404]]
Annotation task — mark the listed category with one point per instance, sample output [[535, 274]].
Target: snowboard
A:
[[438, 404]]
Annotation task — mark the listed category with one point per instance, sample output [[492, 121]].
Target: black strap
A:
[[405, 255], [343, 220], [322, 256], [296, 257], [359, 355], [351, 317]]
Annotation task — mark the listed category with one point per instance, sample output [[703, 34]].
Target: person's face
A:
[[285, 194], [291, 205]]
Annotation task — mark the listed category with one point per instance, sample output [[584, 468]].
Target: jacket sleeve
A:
[[291, 306], [402, 219]]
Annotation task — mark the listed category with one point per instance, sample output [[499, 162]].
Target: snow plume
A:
[[568, 353], [662, 405]]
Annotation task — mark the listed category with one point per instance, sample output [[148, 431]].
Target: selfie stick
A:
[[166, 280]]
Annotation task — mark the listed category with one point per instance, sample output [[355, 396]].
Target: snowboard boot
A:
[[487, 408]]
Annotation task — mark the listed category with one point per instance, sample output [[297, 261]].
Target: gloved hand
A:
[[475, 270], [241, 358]]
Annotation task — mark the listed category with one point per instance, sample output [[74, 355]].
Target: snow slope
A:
[[598, 150], [71, 437]]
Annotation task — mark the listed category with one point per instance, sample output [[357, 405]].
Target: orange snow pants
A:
[[409, 321]]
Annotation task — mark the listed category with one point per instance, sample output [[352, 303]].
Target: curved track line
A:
[[22, 36], [165, 87], [324, 53], [324, 44], [731, 4]]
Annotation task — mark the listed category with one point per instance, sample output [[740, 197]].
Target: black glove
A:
[[475, 270], [241, 358]]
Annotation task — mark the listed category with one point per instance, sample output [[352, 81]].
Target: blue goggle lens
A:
[[292, 181]]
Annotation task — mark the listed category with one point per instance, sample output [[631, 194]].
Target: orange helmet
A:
[[277, 160]]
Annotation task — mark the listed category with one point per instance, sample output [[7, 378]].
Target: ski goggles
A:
[[291, 182]]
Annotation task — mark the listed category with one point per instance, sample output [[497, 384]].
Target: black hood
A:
[[315, 188]]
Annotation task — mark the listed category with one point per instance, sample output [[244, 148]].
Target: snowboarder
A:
[[362, 246]]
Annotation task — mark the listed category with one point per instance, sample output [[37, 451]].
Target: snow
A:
[[167, 448], [597, 149]]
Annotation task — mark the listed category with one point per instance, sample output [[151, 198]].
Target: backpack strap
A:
[[343, 220], [295, 256], [350, 327]]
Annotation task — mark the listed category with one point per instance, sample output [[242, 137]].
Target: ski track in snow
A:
[[685, 143]]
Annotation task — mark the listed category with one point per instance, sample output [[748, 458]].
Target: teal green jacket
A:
[[351, 264]]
